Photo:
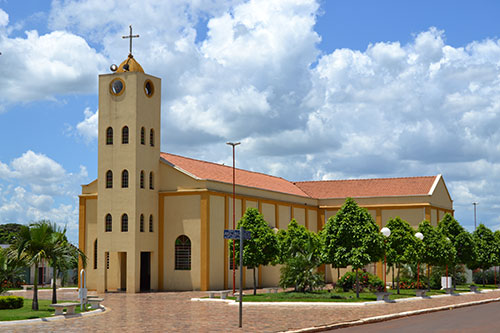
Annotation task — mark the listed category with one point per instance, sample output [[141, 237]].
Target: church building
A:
[[155, 221]]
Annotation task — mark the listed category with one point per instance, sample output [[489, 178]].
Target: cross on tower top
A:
[[130, 36]]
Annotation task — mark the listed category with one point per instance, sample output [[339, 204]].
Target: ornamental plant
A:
[[366, 280]]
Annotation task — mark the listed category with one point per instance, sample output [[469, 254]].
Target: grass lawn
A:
[[26, 313], [339, 296]]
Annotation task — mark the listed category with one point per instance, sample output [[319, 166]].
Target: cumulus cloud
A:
[[88, 127], [421, 108], [35, 187], [42, 66]]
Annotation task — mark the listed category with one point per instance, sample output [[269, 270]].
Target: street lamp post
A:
[[386, 232], [420, 236], [234, 144], [475, 204]]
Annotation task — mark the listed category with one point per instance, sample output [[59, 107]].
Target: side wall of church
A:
[[181, 217], [91, 231]]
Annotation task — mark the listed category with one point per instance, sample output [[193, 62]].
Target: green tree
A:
[[486, 248], [401, 244], [11, 268], [299, 251], [262, 248], [462, 242], [32, 246], [496, 234], [352, 238], [9, 232], [430, 253]]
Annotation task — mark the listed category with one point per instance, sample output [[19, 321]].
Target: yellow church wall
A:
[[440, 197], [284, 216], [312, 219], [91, 231], [412, 216], [174, 180], [217, 216], [182, 217], [434, 217], [375, 201], [269, 213], [259, 194], [299, 215], [90, 188]]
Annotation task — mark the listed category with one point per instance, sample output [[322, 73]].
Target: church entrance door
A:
[[145, 271]]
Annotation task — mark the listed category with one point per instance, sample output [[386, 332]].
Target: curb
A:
[[377, 319], [55, 318]]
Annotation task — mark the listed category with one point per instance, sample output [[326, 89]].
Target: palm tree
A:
[[60, 252], [32, 245]]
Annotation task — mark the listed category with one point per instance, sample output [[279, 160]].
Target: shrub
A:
[[412, 284], [477, 277], [366, 281], [11, 302]]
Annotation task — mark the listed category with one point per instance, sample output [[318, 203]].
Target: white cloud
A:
[[4, 18], [392, 110], [88, 127], [35, 187], [41, 67]]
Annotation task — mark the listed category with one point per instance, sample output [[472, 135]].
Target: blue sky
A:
[[314, 90]]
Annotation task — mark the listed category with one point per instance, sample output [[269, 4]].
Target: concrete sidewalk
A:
[[175, 312]]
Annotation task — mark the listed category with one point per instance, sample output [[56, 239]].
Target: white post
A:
[[82, 292]]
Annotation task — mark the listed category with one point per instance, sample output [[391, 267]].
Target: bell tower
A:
[[128, 178]]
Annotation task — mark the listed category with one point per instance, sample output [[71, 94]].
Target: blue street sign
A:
[[235, 234]]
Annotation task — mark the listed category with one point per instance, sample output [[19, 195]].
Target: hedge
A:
[[11, 302]]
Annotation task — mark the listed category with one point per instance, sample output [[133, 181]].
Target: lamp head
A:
[[419, 235], [386, 231]]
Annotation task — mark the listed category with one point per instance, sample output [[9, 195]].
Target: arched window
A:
[[124, 223], [109, 179], [143, 136], [124, 179], [182, 253], [142, 179], [109, 223], [150, 223], [141, 225], [109, 136], [152, 137], [151, 181], [125, 135], [95, 254]]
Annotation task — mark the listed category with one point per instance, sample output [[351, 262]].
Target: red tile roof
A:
[[355, 188], [224, 173]]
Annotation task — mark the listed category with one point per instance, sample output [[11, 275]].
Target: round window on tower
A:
[[116, 87], [149, 88]]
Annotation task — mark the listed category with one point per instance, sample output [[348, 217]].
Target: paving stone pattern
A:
[[175, 312]]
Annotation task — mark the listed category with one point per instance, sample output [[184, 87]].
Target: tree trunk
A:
[[254, 283], [357, 284], [484, 278], [392, 277], [54, 287], [399, 268], [34, 305], [338, 273]]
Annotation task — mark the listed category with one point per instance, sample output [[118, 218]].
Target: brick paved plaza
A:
[[175, 312]]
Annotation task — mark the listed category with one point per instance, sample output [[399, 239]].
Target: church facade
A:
[[155, 221]]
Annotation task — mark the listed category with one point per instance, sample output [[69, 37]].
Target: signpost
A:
[[241, 235]]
